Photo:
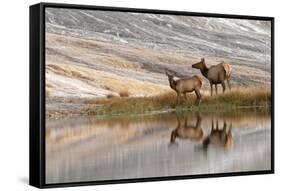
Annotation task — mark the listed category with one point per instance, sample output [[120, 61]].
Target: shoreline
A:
[[58, 115], [240, 98]]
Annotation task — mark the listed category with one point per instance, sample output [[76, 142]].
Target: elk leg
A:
[[224, 126], [223, 135], [178, 95], [173, 136], [198, 122], [206, 142], [230, 128], [185, 122], [211, 88], [229, 85], [216, 87], [217, 124], [198, 94], [185, 95], [178, 98], [223, 86]]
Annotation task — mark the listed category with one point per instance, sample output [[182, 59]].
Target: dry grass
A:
[[239, 97], [243, 96]]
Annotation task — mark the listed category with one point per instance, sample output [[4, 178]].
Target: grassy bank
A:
[[238, 98]]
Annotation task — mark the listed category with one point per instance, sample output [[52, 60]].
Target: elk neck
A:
[[172, 83], [204, 70]]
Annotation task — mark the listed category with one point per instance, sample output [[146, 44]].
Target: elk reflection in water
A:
[[219, 137], [118, 147], [187, 131]]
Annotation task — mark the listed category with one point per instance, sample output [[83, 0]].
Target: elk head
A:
[[199, 65], [170, 76]]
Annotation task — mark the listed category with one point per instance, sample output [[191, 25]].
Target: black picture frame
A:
[[37, 94]]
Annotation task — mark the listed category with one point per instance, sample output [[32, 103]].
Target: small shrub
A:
[[124, 94], [110, 96]]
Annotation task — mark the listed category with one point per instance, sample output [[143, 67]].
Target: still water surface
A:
[[105, 148]]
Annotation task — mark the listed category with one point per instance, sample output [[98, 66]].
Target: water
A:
[[105, 148]]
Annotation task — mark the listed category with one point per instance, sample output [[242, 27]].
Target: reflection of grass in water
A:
[[128, 126], [237, 98]]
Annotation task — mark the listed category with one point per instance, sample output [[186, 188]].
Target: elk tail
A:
[[227, 69]]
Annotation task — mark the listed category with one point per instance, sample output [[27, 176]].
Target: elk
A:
[[187, 131], [186, 85], [219, 137], [216, 74]]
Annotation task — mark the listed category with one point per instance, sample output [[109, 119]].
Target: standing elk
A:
[[187, 131], [186, 85], [216, 74], [219, 137]]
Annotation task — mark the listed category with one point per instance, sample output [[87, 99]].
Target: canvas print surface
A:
[[138, 95]]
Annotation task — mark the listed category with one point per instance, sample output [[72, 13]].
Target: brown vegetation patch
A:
[[237, 98], [124, 94], [110, 96]]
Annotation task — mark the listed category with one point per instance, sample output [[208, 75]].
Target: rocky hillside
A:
[[97, 53]]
